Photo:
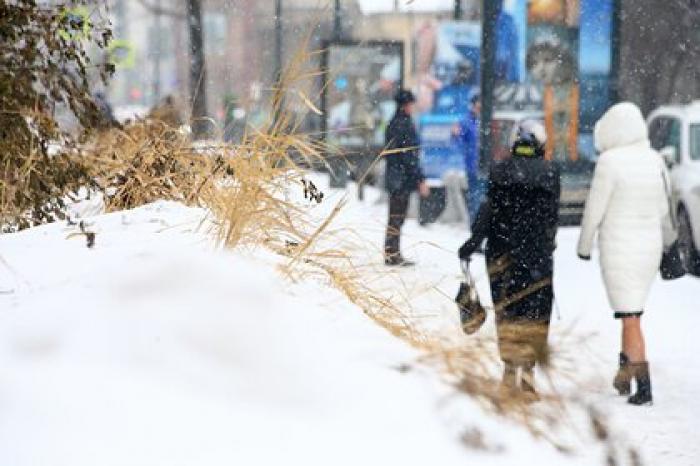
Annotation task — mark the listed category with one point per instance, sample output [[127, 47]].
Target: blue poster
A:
[[595, 59], [447, 75]]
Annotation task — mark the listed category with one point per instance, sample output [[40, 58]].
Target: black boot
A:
[[397, 260], [622, 379], [527, 385], [643, 378]]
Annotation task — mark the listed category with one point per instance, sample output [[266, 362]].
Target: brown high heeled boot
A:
[[622, 379]]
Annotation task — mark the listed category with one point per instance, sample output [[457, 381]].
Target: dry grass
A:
[[252, 191], [147, 161]]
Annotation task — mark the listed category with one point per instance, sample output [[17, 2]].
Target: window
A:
[[674, 136], [215, 33], [658, 132], [664, 132], [695, 142]]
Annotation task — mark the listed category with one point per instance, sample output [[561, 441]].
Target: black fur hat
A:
[[403, 97]]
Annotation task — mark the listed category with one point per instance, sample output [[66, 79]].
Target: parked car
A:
[[674, 131]]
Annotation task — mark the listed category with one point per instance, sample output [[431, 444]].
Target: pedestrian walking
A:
[[627, 207], [518, 219], [403, 174], [467, 132]]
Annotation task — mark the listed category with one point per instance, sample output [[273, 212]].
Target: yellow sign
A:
[[122, 54], [78, 23]]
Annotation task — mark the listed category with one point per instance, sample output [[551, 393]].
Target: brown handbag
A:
[[472, 314]]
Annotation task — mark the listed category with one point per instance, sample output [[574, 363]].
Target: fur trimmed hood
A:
[[622, 125]]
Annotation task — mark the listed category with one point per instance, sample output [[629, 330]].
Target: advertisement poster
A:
[[595, 61], [552, 62], [361, 80], [568, 61], [446, 63]]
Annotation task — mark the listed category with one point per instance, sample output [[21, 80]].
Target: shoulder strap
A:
[[669, 199]]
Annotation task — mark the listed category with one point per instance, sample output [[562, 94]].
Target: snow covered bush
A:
[[44, 67]]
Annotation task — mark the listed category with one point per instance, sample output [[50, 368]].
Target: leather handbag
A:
[[471, 313], [672, 266]]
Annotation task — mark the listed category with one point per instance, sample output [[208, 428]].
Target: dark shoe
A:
[[643, 378], [397, 260], [527, 385], [622, 379]]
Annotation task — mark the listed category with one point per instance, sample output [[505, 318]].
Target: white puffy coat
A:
[[627, 206]]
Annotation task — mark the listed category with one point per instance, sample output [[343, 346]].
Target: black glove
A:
[[584, 258], [465, 251]]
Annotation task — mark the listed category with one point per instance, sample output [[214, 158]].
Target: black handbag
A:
[[671, 263], [471, 313], [672, 266]]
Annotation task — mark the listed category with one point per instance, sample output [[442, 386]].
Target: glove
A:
[[465, 252], [584, 258]]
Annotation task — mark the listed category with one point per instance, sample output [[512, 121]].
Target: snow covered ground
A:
[[154, 348]]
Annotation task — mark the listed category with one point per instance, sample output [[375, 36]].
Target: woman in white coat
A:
[[627, 206]]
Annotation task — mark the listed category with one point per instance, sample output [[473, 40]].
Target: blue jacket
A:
[[507, 49], [469, 142]]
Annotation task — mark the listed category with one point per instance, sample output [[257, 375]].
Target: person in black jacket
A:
[[518, 219], [403, 173]]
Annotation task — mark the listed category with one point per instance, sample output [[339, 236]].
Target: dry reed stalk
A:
[[250, 190]]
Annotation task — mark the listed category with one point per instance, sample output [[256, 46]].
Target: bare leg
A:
[[633, 339]]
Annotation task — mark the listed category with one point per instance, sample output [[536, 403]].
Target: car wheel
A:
[[689, 254]]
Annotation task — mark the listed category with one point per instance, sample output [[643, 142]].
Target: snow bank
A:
[[154, 349]]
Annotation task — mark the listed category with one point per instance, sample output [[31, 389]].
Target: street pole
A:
[[490, 12], [156, 53], [458, 10], [120, 32], [616, 51], [278, 39], [198, 79], [338, 167], [337, 28]]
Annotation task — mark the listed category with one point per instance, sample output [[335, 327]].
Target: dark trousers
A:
[[398, 206]]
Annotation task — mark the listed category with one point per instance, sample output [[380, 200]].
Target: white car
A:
[[674, 131]]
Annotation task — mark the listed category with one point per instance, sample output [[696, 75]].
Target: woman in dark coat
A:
[[518, 220]]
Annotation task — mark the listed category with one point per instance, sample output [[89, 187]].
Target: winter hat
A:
[[530, 139], [404, 96]]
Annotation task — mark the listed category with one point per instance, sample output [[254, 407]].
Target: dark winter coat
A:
[[520, 213], [518, 220], [403, 170]]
